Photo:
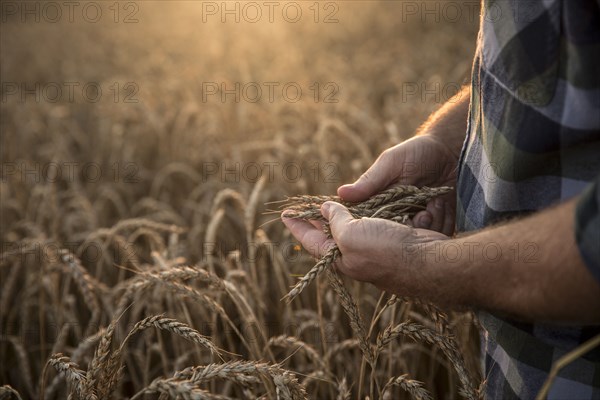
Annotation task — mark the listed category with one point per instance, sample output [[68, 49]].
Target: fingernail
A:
[[438, 203], [325, 208], [425, 221], [285, 214]]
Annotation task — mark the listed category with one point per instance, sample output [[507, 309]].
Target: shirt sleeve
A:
[[587, 227]]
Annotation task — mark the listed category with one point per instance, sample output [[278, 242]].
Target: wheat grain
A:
[[74, 375], [99, 366], [171, 325], [83, 347], [181, 389], [413, 387], [344, 392], [285, 381]]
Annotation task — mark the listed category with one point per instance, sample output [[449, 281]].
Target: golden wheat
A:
[[163, 232]]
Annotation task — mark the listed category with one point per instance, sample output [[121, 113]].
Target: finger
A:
[[338, 216], [437, 211], [317, 224], [311, 238], [449, 220], [374, 180], [422, 220]]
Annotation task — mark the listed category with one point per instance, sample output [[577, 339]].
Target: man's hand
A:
[[549, 284], [421, 161], [373, 249], [428, 159]]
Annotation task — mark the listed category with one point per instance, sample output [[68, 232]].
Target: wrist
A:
[[442, 274]]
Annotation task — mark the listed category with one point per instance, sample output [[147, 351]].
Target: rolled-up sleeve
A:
[[587, 227]]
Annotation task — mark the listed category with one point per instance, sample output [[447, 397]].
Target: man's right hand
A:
[[421, 161]]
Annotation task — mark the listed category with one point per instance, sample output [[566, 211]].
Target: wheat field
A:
[[141, 156]]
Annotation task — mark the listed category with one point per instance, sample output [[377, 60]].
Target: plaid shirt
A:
[[534, 141]]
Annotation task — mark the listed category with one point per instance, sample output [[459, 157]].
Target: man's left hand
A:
[[373, 249]]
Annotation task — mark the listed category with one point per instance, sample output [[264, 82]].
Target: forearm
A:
[[449, 123], [528, 269]]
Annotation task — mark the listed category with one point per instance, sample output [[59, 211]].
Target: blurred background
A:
[[154, 82], [147, 109]]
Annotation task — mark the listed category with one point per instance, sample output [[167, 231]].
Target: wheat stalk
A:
[[7, 391], [325, 262], [444, 341], [174, 326], [397, 204], [180, 389], [74, 375], [415, 388], [86, 285], [131, 249], [290, 341], [351, 309], [285, 381], [83, 347], [101, 368]]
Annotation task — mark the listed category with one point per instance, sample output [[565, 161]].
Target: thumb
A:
[[373, 181], [338, 216]]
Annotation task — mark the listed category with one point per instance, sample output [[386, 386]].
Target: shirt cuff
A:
[[587, 227]]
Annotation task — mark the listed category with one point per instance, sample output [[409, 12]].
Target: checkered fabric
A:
[[534, 141]]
